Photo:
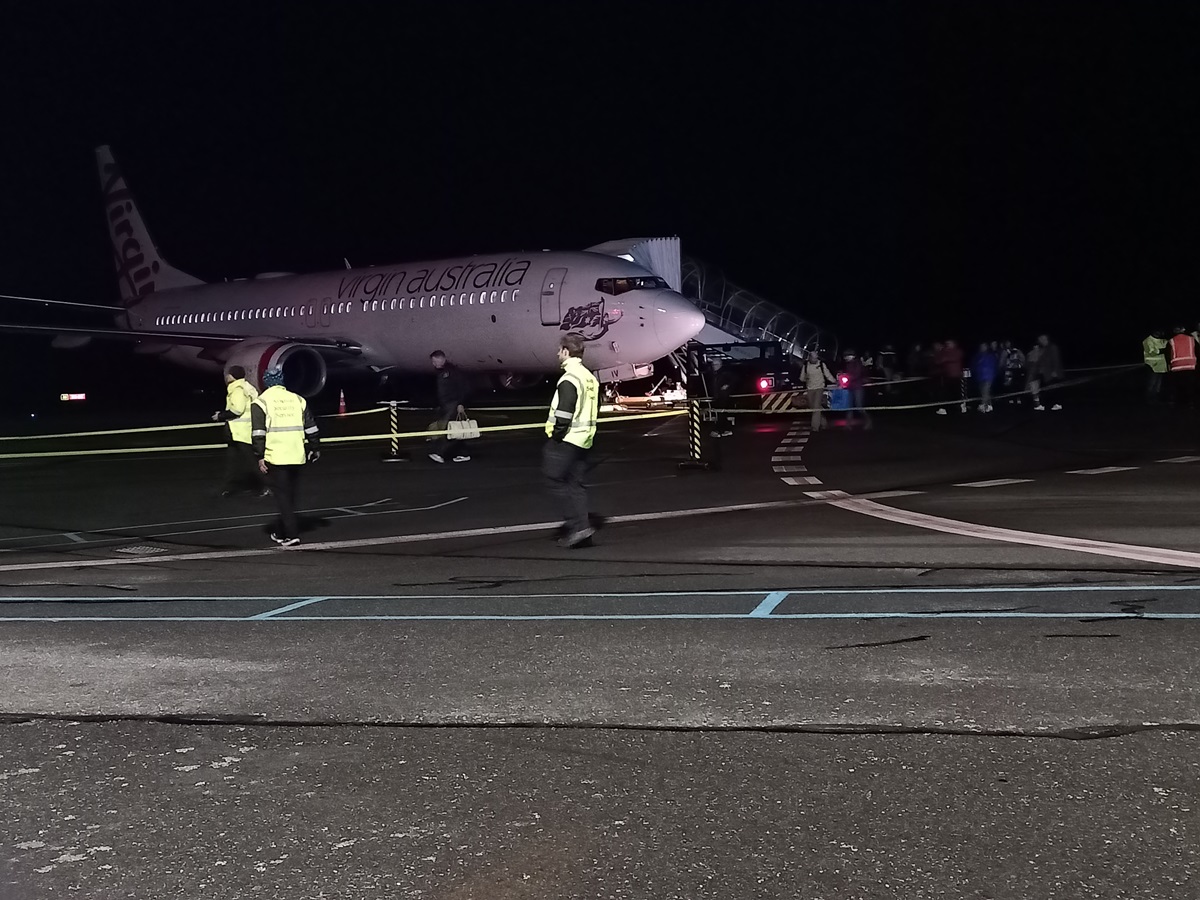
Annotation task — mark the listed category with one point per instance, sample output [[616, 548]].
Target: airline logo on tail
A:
[[134, 253]]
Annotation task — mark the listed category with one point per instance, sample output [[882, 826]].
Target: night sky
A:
[[889, 170]]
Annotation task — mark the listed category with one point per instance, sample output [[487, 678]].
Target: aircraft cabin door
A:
[[551, 291]]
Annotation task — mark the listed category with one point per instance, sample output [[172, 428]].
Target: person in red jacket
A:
[[949, 363]]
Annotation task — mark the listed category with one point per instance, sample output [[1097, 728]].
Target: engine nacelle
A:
[[304, 369]]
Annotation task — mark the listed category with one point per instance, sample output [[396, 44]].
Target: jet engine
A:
[[304, 369]]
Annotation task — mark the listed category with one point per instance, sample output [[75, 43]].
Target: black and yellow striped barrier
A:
[[779, 401]]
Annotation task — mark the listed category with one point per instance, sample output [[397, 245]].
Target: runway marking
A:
[[625, 617], [789, 458], [1103, 470], [391, 539], [256, 516], [802, 479], [103, 535], [74, 536], [995, 482], [1180, 459], [769, 603], [587, 595], [1157, 555], [778, 469], [299, 604]]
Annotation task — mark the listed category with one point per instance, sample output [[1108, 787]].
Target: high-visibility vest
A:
[[587, 404], [1183, 353], [284, 426], [1152, 353], [239, 395]]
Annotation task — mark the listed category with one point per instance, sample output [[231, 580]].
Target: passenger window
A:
[[493, 296], [515, 292], [503, 296]]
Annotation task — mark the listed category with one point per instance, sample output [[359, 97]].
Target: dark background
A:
[[892, 171]]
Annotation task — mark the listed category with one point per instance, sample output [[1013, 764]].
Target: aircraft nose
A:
[[676, 320]]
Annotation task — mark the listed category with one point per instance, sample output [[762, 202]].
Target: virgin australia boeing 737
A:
[[496, 314]]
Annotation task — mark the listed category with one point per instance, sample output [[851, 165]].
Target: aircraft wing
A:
[[76, 335]]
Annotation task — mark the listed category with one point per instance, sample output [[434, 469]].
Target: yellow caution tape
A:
[[330, 440]]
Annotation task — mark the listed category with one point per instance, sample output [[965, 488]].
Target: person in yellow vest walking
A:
[[240, 467], [285, 437], [571, 428], [1183, 368], [1154, 356]]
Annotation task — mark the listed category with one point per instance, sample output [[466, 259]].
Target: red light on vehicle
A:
[[843, 380], [765, 384]]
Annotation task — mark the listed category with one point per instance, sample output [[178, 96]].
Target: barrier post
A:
[[394, 426], [698, 413]]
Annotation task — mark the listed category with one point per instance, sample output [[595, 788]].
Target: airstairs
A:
[[732, 313]]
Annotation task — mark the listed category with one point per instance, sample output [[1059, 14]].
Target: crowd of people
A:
[[940, 374]]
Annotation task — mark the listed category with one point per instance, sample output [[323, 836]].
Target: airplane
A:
[[496, 314]]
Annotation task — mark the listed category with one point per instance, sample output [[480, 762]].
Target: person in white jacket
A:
[[816, 377]]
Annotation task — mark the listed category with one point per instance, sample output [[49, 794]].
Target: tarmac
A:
[[947, 657]]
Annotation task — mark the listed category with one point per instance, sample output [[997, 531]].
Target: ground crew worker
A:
[[722, 398], [1183, 367], [240, 461], [285, 438], [571, 428], [1156, 365]]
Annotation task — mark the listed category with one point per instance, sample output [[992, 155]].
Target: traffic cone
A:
[[341, 403]]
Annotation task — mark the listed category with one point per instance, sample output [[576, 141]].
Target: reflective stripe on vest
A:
[[284, 426], [1183, 353], [239, 428], [582, 430]]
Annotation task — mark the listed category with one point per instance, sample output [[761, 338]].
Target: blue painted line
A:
[[568, 617], [807, 592], [768, 604], [299, 604]]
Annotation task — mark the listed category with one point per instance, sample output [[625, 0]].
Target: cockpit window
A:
[[616, 286]]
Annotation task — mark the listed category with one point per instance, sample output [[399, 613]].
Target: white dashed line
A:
[[1180, 459], [801, 479], [995, 482], [778, 469], [1103, 470], [792, 458]]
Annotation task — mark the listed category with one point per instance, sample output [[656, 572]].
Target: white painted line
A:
[[103, 537], [1103, 470], [1156, 555], [1180, 459], [825, 495], [392, 539], [801, 479], [885, 495], [778, 469], [74, 536], [995, 482], [794, 458]]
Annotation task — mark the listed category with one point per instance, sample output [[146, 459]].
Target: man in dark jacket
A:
[[452, 389]]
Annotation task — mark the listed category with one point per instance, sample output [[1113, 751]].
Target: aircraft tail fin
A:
[[141, 269]]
